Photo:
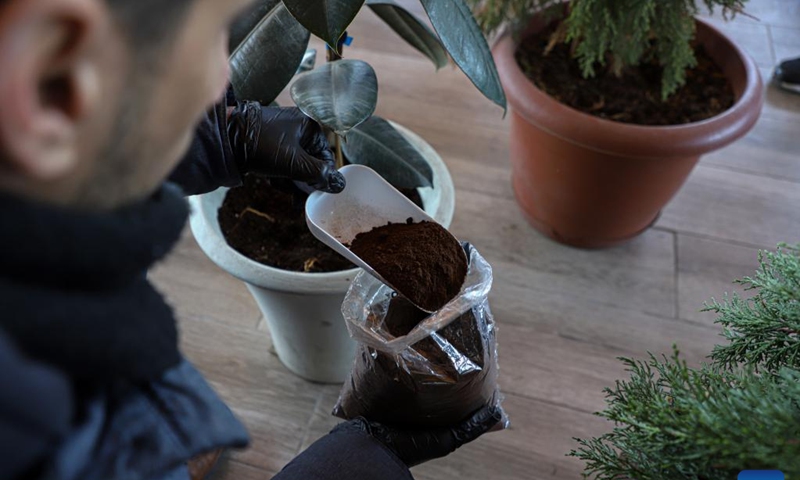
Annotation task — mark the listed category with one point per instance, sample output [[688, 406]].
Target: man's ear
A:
[[49, 82]]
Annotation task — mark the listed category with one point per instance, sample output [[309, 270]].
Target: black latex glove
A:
[[414, 447], [282, 143]]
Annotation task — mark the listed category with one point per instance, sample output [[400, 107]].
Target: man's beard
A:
[[118, 174]]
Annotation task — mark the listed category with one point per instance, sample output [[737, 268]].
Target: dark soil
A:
[[267, 224], [463, 334], [422, 261], [393, 392], [633, 98]]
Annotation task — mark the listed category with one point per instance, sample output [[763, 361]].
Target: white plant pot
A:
[[303, 310]]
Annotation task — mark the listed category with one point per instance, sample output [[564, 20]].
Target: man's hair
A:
[[146, 23]]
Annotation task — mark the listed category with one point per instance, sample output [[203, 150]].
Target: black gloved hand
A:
[[283, 143], [414, 447]]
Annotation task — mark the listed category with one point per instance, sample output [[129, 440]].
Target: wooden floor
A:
[[564, 315]]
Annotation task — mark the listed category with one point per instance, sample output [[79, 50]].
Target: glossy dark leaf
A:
[[247, 21], [413, 31], [378, 145], [327, 19], [465, 42], [309, 61], [338, 95], [267, 59]]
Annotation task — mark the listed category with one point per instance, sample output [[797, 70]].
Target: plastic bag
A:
[[437, 374]]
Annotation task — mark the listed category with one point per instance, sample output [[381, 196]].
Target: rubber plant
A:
[[269, 43]]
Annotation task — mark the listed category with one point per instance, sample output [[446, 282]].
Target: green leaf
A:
[[413, 31], [339, 95], [327, 19], [268, 58], [247, 21], [309, 61], [376, 144], [462, 37]]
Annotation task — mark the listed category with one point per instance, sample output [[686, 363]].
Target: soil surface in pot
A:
[[267, 224], [423, 261], [635, 97]]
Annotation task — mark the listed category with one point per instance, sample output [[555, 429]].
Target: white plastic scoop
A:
[[366, 203]]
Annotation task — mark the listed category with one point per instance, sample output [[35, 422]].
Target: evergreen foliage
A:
[[764, 331], [740, 412], [615, 34]]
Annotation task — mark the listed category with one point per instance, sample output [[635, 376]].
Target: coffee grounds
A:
[[390, 391], [268, 225], [635, 97], [422, 261]]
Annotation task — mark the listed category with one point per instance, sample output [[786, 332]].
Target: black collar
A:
[[54, 246], [73, 289]]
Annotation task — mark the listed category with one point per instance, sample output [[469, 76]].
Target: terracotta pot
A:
[[589, 182]]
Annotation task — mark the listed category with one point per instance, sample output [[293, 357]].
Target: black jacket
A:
[[92, 384]]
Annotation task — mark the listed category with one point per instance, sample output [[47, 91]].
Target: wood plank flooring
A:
[[564, 315]]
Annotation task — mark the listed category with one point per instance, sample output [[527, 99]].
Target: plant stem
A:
[[336, 142], [333, 56], [338, 151], [333, 138]]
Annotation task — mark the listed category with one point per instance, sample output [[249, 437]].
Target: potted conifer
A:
[[613, 103], [269, 44], [740, 412]]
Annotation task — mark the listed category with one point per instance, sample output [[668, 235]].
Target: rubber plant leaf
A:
[[378, 145], [465, 42], [247, 21], [309, 61], [412, 30], [339, 95], [327, 19], [268, 58]]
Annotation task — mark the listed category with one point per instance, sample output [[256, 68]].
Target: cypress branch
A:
[[616, 34], [740, 412], [763, 331]]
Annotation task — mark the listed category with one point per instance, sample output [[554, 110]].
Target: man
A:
[[99, 101]]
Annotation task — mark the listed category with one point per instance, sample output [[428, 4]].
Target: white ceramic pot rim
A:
[[212, 242], [439, 203]]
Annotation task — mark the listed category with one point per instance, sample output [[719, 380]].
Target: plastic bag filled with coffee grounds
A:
[[416, 369]]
